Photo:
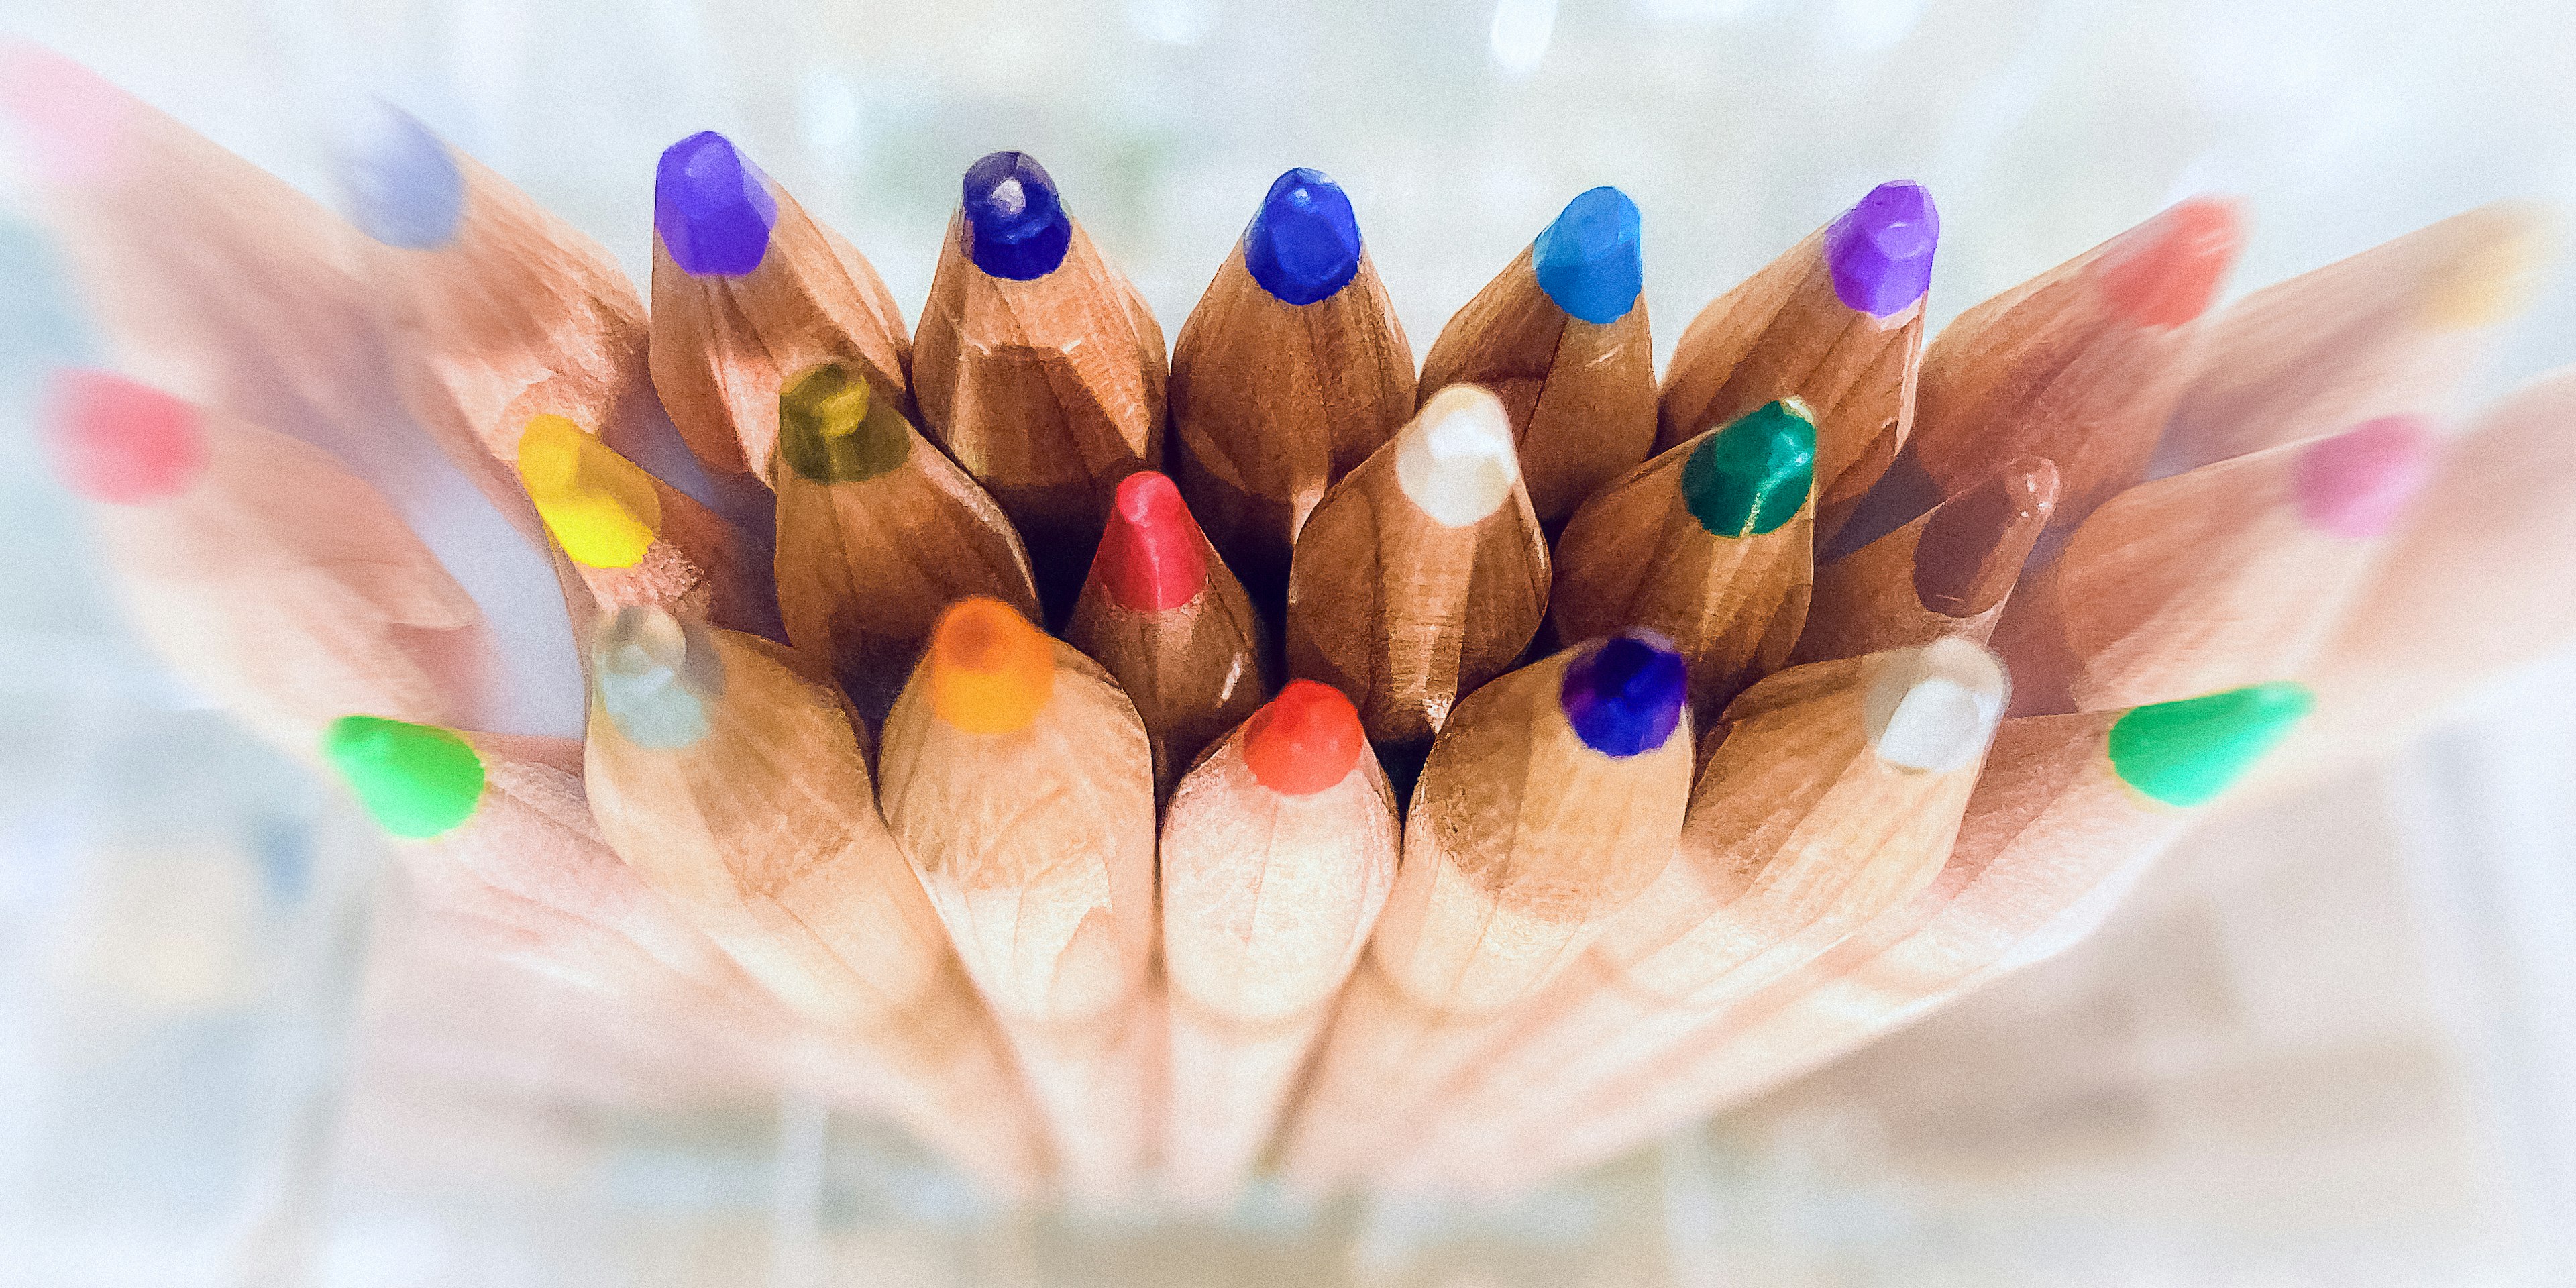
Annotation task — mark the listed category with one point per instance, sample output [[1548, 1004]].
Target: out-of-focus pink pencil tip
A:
[[122, 442], [70, 121], [2357, 483]]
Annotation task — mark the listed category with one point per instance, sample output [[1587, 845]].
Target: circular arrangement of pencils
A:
[[1143, 772]]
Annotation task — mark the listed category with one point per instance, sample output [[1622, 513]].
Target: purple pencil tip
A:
[[1880, 251], [712, 207]]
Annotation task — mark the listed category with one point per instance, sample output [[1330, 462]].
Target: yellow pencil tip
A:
[[598, 504], [2491, 282], [990, 670]]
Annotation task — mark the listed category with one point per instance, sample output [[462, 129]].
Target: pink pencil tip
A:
[[70, 120], [121, 442], [2357, 483]]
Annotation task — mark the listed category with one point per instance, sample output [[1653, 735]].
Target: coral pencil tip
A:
[[1624, 698], [401, 185], [1304, 243], [990, 670], [1880, 251], [712, 207], [121, 442], [2166, 272], [1304, 740], [1016, 226], [1151, 558], [2358, 482], [1589, 260]]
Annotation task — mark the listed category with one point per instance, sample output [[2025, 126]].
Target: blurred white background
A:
[[2332, 1042]]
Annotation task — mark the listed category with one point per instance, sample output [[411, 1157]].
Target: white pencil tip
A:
[[655, 676], [1935, 707], [1456, 462]]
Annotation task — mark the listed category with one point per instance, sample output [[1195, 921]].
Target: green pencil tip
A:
[[831, 431], [2187, 752], [419, 781], [1754, 475]]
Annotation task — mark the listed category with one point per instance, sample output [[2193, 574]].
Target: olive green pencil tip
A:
[[418, 781], [1756, 473], [831, 431], [2187, 752]]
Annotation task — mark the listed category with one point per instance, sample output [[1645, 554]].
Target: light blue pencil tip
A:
[[403, 186], [1588, 261]]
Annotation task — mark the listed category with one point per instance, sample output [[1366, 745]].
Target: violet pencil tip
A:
[[712, 207], [1624, 698], [1880, 251], [402, 186]]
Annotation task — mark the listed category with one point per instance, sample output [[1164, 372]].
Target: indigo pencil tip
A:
[[1880, 251], [1016, 226], [1624, 697], [1589, 260], [1304, 243], [712, 207]]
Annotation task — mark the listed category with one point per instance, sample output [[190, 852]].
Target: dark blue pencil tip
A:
[[1015, 224], [403, 188], [1304, 244], [1625, 696], [712, 207], [1588, 260]]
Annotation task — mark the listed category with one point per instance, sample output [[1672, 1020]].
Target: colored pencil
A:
[[1164, 617], [1037, 366], [1946, 574], [1421, 575], [1021, 783], [1837, 323], [2213, 578], [1560, 336], [2080, 365], [1288, 373], [2394, 329], [634, 539], [1831, 799], [738, 789], [260, 569], [749, 293], [1551, 800], [1277, 855], [877, 532], [1709, 543]]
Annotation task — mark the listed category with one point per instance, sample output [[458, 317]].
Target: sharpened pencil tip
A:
[[75, 121], [1880, 251], [121, 442], [1973, 546], [1016, 225], [401, 184], [1152, 558], [712, 207], [1304, 242], [990, 670], [416, 781], [656, 675], [2166, 271], [1755, 474], [1935, 706], [1303, 741], [831, 429], [1456, 461], [2356, 483], [2185, 753], [2496, 275], [600, 506], [1624, 697], [1589, 260]]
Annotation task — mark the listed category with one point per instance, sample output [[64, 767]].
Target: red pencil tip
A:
[[2166, 271], [121, 442], [1151, 558], [1304, 740]]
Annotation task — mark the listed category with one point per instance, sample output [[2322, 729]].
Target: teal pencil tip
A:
[[2187, 752], [1755, 474]]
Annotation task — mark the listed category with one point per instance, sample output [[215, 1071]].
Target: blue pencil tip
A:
[[1015, 224], [1304, 244], [1588, 260], [712, 207], [403, 188], [1625, 697]]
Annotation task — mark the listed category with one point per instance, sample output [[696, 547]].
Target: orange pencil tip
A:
[[990, 670], [2166, 271], [1304, 740], [121, 442]]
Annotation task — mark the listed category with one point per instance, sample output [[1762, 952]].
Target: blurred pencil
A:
[[1546, 805], [1709, 543], [636, 540], [877, 532], [1020, 782], [749, 292], [1164, 617], [2396, 328], [1421, 575], [1837, 323], [1277, 855], [1946, 574], [1288, 373], [1037, 366], [1560, 336], [2213, 578], [258, 568], [2080, 365]]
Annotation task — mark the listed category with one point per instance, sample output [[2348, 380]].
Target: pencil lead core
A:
[[990, 670], [1588, 259], [1151, 556], [2356, 484], [712, 207], [2186, 753], [1756, 473], [399, 182], [1624, 697], [1934, 707], [1303, 741], [832, 429], [1016, 226], [599, 505], [2166, 271], [656, 676], [1304, 243], [1880, 251], [1973, 546], [417, 781], [1456, 461], [121, 442]]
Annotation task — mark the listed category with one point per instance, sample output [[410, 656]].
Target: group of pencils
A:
[[1154, 772]]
